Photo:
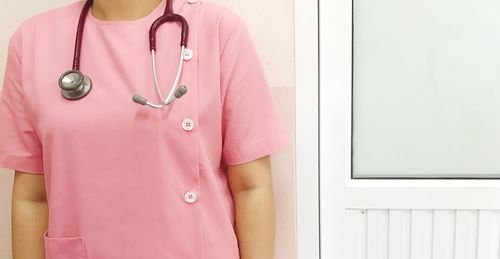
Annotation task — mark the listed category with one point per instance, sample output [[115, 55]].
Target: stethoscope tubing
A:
[[74, 85], [79, 34], [169, 98]]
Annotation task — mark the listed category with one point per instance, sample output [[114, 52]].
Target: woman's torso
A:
[[116, 172]]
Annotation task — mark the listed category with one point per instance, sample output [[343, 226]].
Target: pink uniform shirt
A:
[[126, 181]]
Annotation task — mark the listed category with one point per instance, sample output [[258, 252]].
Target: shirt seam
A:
[[229, 38], [25, 103], [224, 93]]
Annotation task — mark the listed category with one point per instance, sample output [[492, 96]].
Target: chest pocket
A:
[[64, 247]]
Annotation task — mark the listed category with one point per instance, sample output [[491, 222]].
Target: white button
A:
[[188, 54], [190, 196], [187, 124]]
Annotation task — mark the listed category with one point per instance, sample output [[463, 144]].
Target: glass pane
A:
[[426, 89]]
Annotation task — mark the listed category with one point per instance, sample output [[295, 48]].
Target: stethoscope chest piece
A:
[[74, 85]]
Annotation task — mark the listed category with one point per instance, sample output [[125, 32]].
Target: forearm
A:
[[29, 221], [255, 223]]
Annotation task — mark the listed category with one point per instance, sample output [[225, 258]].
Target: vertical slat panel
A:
[[399, 234], [421, 234], [356, 234], [488, 235], [377, 234], [466, 234], [443, 234]]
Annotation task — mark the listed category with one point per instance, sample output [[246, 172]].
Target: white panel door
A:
[[407, 218]]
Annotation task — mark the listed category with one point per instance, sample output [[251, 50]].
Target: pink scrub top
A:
[[126, 181]]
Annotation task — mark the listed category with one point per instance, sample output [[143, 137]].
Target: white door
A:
[[409, 129]]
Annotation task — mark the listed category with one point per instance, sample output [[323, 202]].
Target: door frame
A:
[[307, 129]]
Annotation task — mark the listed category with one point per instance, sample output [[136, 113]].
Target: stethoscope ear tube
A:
[[182, 90]]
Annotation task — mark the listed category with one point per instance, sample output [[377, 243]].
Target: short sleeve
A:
[[20, 148], [252, 125]]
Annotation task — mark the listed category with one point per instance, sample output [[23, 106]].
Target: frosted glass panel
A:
[[426, 88]]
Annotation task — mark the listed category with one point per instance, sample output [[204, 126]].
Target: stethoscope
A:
[[75, 85]]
